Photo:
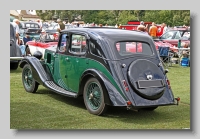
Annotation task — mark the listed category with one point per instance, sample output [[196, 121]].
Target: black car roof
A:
[[112, 33]]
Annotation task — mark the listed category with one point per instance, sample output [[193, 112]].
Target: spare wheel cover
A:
[[138, 70]]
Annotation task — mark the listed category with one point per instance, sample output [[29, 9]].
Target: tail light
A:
[[177, 99], [168, 83], [125, 85]]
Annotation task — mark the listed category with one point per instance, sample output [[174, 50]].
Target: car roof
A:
[[111, 33], [180, 29]]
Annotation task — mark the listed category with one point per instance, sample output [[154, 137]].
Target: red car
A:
[[165, 44], [41, 45], [174, 35]]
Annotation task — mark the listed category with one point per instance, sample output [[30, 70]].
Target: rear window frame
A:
[[133, 54]]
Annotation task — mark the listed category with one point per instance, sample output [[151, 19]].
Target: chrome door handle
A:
[[67, 59]]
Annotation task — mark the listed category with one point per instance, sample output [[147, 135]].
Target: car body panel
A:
[[15, 52]]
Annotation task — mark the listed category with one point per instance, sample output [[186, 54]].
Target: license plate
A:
[[150, 83]]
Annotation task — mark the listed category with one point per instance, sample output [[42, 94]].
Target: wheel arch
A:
[[111, 96], [90, 74]]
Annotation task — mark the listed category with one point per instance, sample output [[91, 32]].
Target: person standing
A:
[[61, 26], [164, 28], [142, 28], [153, 30], [16, 27], [40, 23]]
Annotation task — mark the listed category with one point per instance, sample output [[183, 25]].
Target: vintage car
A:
[[101, 70], [41, 44], [32, 29], [53, 27], [173, 36], [15, 52]]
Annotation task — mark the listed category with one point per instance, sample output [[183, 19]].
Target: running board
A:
[[55, 88]]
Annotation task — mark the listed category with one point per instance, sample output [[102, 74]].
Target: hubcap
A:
[[28, 80], [93, 96]]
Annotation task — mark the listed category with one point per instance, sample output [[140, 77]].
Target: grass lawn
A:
[[48, 110]]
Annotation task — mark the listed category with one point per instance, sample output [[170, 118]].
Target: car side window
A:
[[78, 44], [95, 49], [27, 25], [63, 43]]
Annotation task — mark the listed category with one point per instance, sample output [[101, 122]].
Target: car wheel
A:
[[94, 97], [29, 83], [14, 66]]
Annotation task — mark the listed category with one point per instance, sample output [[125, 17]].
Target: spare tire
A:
[[138, 71]]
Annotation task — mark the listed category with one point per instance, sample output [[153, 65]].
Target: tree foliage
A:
[[112, 17]]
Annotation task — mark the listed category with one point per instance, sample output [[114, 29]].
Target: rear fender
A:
[[112, 96]]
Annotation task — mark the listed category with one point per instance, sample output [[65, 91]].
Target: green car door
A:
[[77, 63], [60, 70]]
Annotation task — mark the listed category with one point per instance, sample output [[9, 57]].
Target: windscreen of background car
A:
[[168, 35], [63, 43], [131, 48]]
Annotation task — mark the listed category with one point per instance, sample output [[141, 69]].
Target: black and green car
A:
[[105, 66]]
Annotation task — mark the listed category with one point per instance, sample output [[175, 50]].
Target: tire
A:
[[14, 66], [29, 83], [94, 97]]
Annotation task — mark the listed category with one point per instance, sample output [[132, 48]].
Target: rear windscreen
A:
[[133, 47]]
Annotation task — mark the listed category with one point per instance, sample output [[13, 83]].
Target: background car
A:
[[172, 36], [30, 28], [15, 52], [54, 26], [40, 45]]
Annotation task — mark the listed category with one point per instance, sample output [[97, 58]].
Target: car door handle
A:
[[67, 59]]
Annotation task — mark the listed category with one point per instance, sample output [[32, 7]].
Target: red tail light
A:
[[168, 83], [125, 85], [128, 103]]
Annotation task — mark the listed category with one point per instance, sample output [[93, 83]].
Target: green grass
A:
[[48, 110]]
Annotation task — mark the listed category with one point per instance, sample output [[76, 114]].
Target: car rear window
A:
[[31, 26], [131, 48]]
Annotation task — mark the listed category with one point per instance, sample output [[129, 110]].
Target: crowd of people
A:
[[152, 31]]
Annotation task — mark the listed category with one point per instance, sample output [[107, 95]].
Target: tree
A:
[[126, 16], [111, 17]]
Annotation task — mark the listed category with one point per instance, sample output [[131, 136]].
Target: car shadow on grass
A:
[[18, 70], [161, 114], [77, 102]]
